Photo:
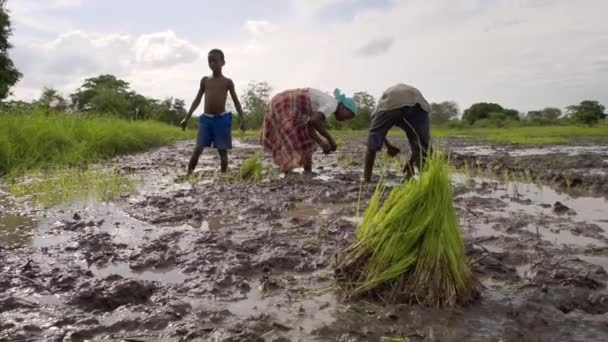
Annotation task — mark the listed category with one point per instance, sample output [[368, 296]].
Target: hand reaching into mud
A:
[[393, 151], [326, 148], [333, 146]]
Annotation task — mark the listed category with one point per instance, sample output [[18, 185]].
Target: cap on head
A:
[[347, 102]]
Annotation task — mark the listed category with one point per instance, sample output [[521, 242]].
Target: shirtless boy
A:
[[215, 124]]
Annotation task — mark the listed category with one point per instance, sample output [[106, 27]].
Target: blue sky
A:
[[524, 54]]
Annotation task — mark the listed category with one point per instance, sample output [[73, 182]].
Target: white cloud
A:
[[524, 54], [164, 49]]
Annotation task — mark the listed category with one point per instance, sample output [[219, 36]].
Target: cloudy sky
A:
[[523, 54]]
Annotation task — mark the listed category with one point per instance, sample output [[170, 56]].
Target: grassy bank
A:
[[523, 135], [30, 141], [529, 135]]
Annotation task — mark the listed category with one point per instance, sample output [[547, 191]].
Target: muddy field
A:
[[218, 261]]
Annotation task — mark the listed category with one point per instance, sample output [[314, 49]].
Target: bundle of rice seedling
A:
[[409, 248], [252, 169]]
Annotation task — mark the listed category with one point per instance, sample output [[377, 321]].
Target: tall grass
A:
[[39, 140]]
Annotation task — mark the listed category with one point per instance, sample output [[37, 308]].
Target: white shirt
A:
[[401, 95], [322, 102]]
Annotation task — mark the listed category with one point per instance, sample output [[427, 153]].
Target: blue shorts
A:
[[215, 131]]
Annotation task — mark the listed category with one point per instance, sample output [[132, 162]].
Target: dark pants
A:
[[414, 121]]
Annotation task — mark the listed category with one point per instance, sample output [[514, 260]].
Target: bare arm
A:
[[318, 122], [318, 140], [235, 99], [237, 104]]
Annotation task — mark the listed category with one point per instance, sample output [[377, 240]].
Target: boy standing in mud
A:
[[215, 124]]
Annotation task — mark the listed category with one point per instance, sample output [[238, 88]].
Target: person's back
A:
[[401, 95], [403, 106]]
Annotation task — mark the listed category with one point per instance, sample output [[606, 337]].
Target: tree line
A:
[[110, 95]]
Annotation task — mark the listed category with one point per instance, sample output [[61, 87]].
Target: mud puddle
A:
[[484, 150], [221, 261]]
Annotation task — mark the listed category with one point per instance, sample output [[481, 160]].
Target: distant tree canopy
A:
[[490, 112], [51, 99], [443, 112], [108, 94], [104, 93], [9, 75], [255, 103], [546, 114], [587, 112]]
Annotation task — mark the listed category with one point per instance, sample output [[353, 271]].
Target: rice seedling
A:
[[345, 160], [516, 189], [568, 183], [529, 178], [408, 245], [478, 171], [60, 186], [252, 169], [469, 178], [340, 143], [539, 183], [507, 180]]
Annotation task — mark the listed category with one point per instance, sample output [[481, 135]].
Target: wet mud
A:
[[214, 260]]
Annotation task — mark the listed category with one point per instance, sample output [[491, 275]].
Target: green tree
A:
[[479, 111], [443, 112], [482, 111], [51, 99], [255, 103], [106, 100], [90, 95], [587, 112], [9, 75], [141, 107], [170, 110], [511, 114], [365, 106], [551, 113], [546, 116]]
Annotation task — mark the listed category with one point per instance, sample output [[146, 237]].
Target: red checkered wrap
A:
[[286, 132]]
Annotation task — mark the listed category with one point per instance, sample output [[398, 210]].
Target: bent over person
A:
[[403, 106], [296, 118]]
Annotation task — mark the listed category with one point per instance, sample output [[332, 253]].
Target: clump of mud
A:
[[112, 293]]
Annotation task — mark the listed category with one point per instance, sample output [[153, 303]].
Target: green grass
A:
[[31, 141], [520, 135], [528, 135]]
